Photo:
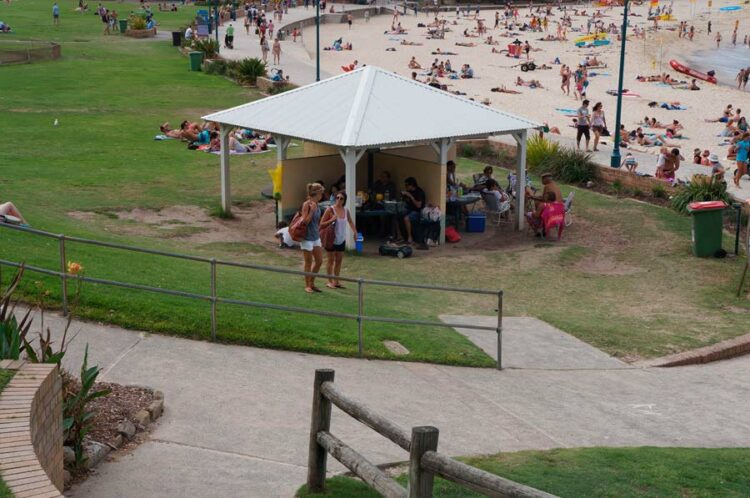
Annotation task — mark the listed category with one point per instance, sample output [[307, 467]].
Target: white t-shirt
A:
[[284, 232], [189, 33]]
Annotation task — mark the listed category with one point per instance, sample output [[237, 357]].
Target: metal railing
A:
[[424, 460], [360, 317]]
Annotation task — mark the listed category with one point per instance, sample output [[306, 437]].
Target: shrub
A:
[[276, 89], [208, 46], [136, 22], [12, 333], [249, 70], [486, 150], [216, 66], [468, 150], [569, 166], [617, 187], [700, 188], [539, 149], [637, 192], [659, 192]]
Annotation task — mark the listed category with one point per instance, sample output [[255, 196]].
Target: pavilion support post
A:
[[226, 196], [442, 148], [282, 144], [351, 156], [520, 179]]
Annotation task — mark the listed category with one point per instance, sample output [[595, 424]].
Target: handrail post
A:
[[63, 275], [213, 299], [423, 439], [360, 310], [500, 330], [320, 421]]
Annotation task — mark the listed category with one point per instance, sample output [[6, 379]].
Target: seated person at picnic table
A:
[[493, 188], [550, 187], [415, 199], [384, 186], [450, 177], [338, 186], [480, 181]]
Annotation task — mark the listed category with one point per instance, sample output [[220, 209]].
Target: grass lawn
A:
[[623, 279], [601, 472], [5, 376]]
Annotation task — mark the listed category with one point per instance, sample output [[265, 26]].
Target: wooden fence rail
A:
[[424, 460]]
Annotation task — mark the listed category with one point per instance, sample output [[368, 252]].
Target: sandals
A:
[[315, 289]]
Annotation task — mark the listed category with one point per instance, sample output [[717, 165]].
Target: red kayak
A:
[[681, 68]]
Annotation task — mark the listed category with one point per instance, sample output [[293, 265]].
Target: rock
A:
[[69, 456], [396, 348], [158, 395], [95, 453], [126, 428], [156, 408], [66, 477], [143, 418]]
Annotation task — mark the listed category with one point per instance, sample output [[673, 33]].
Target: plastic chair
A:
[[494, 208], [553, 216]]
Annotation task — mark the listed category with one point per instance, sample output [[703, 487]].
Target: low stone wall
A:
[[266, 84], [141, 33], [23, 53], [31, 449], [335, 18]]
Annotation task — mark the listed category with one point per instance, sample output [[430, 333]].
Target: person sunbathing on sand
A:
[[675, 130], [413, 64], [411, 43], [440, 52], [693, 86], [502, 89], [531, 83], [490, 41], [464, 44]]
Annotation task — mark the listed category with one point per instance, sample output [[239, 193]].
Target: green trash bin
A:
[[123, 25], [708, 221], [196, 58]]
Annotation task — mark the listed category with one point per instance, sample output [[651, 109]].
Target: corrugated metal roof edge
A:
[[214, 116]]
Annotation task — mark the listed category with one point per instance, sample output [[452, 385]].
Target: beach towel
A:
[[235, 153], [567, 112], [162, 137]]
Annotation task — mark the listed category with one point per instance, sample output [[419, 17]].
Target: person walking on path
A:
[[718, 39], [584, 125], [598, 123], [312, 249], [264, 48], [55, 14], [340, 217], [247, 25], [349, 20], [276, 51]]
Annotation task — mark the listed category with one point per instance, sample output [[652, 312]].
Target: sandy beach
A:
[[649, 56]]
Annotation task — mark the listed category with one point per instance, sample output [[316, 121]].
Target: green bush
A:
[[136, 22], [539, 149], [486, 150], [617, 187], [468, 150], [700, 188], [12, 333], [637, 192], [569, 166], [208, 46], [216, 66], [659, 192], [249, 70]]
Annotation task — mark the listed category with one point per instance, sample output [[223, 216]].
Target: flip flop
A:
[[309, 290], [315, 289], [331, 286], [339, 286]]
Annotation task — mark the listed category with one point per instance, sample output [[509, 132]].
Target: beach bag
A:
[[328, 236], [452, 235], [298, 228]]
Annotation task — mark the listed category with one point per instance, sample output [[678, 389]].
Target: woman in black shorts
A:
[[340, 216]]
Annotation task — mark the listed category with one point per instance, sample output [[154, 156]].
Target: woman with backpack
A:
[[312, 250], [335, 219]]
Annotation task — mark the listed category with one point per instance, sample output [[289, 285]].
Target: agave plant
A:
[[12, 332], [700, 188], [208, 46], [249, 70], [539, 149]]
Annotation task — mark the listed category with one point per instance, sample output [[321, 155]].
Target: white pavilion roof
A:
[[371, 107]]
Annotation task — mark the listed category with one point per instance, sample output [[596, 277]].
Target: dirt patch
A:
[[121, 404], [252, 224]]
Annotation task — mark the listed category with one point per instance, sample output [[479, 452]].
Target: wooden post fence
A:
[[424, 460]]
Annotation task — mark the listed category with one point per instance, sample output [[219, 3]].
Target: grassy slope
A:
[[601, 472], [110, 93], [5, 376]]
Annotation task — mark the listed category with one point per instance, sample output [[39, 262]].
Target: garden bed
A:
[[141, 33]]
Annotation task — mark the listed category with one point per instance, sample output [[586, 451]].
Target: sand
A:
[[647, 57]]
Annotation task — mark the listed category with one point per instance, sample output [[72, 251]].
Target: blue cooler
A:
[[475, 222], [358, 242]]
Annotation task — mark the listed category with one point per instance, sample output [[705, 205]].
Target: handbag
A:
[[328, 236], [298, 227]]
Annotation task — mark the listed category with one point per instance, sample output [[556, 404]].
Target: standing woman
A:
[[264, 47], [743, 154], [339, 215], [312, 250], [276, 50], [598, 123]]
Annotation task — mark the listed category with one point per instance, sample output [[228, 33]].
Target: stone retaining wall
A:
[[31, 450]]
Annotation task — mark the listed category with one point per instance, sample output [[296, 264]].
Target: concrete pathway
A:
[[237, 418]]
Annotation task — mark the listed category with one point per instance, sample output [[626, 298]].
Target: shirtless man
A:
[[551, 191]]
